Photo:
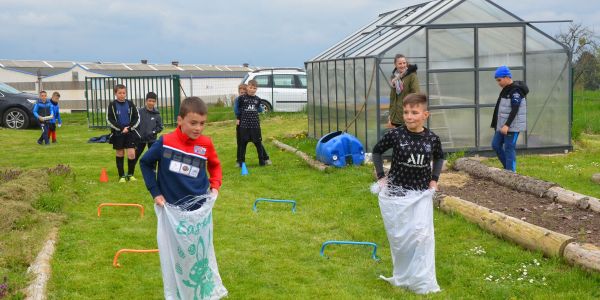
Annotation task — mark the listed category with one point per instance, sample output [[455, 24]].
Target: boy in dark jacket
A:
[[56, 121], [150, 125], [509, 118], [123, 118], [42, 110]]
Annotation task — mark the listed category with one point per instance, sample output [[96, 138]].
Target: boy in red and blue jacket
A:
[[174, 168], [57, 120]]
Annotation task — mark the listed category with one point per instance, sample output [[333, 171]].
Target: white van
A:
[[282, 89]]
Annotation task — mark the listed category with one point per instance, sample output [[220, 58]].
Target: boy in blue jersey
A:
[[123, 118], [42, 110]]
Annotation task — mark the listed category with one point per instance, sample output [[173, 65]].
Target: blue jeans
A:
[[505, 145]]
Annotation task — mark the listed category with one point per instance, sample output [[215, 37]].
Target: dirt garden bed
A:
[[581, 224]]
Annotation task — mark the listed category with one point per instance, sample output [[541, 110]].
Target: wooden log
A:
[[509, 179], [594, 204], [525, 234], [585, 255], [309, 160], [570, 197]]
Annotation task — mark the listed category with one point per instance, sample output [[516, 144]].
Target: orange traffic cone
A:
[[103, 175]]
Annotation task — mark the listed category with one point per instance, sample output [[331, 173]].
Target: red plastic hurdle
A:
[[116, 259]]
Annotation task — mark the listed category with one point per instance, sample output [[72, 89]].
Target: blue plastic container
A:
[[340, 149]]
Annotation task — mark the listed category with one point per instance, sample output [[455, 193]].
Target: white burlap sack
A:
[[408, 223], [187, 256]]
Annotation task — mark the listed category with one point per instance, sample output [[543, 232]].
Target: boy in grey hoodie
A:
[[150, 125]]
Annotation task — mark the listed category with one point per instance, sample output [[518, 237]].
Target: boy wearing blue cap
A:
[[509, 118]]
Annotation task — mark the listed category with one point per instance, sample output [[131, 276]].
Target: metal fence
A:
[[99, 92]]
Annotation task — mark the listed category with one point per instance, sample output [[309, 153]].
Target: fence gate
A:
[[99, 92]]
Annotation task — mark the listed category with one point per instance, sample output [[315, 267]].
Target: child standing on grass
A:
[[175, 172], [509, 118], [242, 90], [248, 118], [150, 125], [56, 121], [406, 197], [123, 118], [42, 110]]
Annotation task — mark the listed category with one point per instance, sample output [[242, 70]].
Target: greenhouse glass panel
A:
[[452, 88], [451, 48], [486, 132], [360, 92], [489, 90], [317, 93], [455, 127], [341, 95], [372, 117], [310, 110], [548, 101], [475, 11], [332, 96], [350, 97], [384, 96], [500, 46], [413, 47], [537, 41], [324, 99]]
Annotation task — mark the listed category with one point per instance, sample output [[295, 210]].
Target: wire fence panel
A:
[[99, 92]]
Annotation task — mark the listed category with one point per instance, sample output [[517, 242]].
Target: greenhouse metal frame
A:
[[457, 45]]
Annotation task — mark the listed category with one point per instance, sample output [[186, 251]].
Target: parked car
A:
[[16, 107], [282, 89]]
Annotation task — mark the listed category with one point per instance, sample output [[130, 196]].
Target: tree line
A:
[[584, 45]]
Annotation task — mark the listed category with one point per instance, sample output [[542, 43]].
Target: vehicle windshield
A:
[[8, 89]]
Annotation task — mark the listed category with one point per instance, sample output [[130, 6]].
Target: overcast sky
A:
[[258, 32]]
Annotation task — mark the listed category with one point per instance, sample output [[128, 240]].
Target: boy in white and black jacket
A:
[[123, 118]]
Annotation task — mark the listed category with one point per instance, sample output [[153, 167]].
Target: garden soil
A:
[[581, 224]]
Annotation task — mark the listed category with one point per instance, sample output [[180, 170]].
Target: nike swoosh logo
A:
[[402, 145]]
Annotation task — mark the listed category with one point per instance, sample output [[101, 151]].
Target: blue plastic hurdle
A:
[[275, 201], [373, 255]]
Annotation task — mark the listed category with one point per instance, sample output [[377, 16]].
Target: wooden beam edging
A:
[[530, 236], [527, 184], [313, 163]]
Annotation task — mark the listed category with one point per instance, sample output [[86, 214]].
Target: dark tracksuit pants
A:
[[251, 135], [44, 137]]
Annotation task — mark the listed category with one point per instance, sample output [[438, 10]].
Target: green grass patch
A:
[[586, 113], [272, 253]]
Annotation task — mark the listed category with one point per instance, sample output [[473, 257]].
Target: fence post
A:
[[176, 95]]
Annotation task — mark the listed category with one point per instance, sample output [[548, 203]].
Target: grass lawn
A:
[[272, 253]]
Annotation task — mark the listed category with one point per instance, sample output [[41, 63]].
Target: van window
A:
[[283, 81], [302, 81], [262, 80]]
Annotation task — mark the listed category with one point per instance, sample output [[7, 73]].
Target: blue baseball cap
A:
[[502, 71]]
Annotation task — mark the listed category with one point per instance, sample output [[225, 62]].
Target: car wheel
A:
[[266, 106], [16, 118]]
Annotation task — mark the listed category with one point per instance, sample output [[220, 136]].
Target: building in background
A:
[[213, 83]]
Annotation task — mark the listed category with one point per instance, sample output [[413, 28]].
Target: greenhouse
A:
[[457, 45]]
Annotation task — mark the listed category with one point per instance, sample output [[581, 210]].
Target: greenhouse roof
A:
[[394, 26]]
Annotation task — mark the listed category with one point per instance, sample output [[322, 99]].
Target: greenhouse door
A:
[[460, 80]]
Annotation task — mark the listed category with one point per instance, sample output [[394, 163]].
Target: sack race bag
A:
[[187, 257], [408, 220]]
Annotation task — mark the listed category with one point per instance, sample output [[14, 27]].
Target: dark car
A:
[[16, 107]]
